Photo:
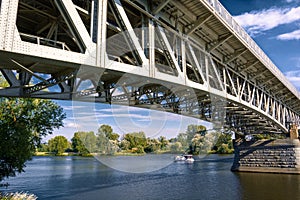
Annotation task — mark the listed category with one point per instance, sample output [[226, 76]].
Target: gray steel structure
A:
[[183, 56]]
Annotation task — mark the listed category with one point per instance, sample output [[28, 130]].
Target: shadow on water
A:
[[269, 186]]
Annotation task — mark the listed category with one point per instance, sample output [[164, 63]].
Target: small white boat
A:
[[180, 158], [186, 158], [189, 158]]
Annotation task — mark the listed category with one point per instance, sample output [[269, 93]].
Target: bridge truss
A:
[[185, 56]]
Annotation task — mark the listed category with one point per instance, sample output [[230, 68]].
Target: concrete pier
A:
[[268, 156]]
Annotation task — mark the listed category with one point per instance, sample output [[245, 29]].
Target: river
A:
[[207, 178]]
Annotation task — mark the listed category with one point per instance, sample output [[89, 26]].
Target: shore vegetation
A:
[[196, 140]]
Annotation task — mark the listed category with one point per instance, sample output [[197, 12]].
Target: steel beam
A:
[[217, 43], [160, 7], [235, 55], [199, 22]]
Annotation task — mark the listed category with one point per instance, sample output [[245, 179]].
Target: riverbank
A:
[[86, 155], [122, 153]]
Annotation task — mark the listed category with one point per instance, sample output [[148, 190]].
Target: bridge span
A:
[[186, 56]]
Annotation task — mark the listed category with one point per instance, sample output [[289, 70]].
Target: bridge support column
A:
[[8, 18], [99, 33], [268, 156], [294, 132]]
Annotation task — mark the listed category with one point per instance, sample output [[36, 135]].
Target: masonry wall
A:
[[274, 156]]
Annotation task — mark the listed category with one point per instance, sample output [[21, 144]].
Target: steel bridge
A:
[[183, 56]]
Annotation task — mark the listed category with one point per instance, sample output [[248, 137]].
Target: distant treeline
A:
[[196, 140]]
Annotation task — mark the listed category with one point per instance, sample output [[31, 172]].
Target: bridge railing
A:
[[44, 41], [251, 44]]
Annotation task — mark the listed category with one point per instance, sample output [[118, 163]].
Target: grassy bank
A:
[[124, 153], [61, 154]]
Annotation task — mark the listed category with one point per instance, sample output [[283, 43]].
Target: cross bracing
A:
[[185, 56]]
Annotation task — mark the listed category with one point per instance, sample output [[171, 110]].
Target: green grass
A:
[[128, 154]]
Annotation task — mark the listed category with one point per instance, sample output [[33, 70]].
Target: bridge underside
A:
[[186, 57]]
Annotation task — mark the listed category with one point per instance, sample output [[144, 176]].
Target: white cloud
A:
[[71, 125], [72, 107], [258, 21], [119, 109], [295, 35], [291, 1], [294, 78]]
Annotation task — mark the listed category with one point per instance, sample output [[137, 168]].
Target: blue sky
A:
[[273, 24], [83, 116]]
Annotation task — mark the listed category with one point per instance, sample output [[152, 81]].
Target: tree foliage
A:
[[163, 142], [23, 122], [202, 144], [84, 142], [183, 139], [152, 145], [176, 147], [193, 129], [224, 144], [107, 140], [108, 132], [106, 146], [58, 144], [136, 139]]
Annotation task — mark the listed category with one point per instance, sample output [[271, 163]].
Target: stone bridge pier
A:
[[269, 156]]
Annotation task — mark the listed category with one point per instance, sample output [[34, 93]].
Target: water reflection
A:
[[140, 164], [269, 186]]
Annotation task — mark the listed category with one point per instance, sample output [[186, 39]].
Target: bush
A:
[[18, 196], [138, 149], [224, 149], [176, 147]]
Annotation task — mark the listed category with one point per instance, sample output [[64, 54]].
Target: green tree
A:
[[113, 136], [43, 148], [176, 147], [202, 144], [77, 145], [58, 144], [182, 138], [84, 142], [224, 144], [193, 129], [105, 129], [135, 139], [163, 142], [224, 149], [139, 149], [152, 145], [124, 145], [3, 82], [108, 132], [23, 122], [106, 146], [107, 141]]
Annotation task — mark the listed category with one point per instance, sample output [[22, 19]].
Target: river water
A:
[[207, 178]]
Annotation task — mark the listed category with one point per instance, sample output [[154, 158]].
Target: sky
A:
[[273, 24]]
